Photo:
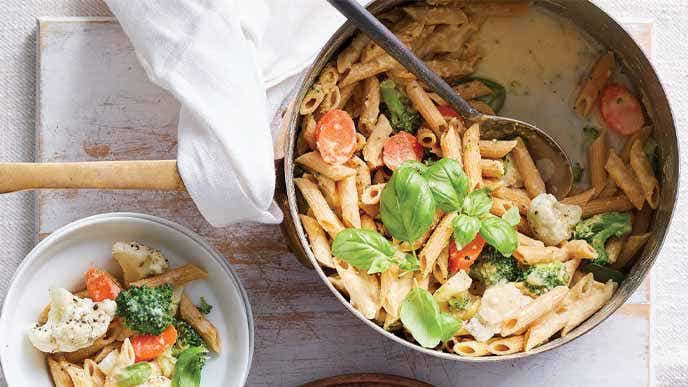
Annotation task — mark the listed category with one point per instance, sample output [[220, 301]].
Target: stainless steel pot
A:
[[606, 31]]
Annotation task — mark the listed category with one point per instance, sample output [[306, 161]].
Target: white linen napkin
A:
[[219, 58]]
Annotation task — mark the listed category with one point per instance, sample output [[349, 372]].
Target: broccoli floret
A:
[[542, 277], [204, 307], [464, 305], [146, 309], [492, 268], [187, 369], [186, 337], [597, 229], [401, 113]]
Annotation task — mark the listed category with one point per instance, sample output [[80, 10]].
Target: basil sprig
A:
[[407, 207], [370, 251], [448, 183], [421, 315]]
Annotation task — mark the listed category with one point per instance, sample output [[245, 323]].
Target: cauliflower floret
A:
[[138, 261], [552, 222], [73, 322], [498, 303]]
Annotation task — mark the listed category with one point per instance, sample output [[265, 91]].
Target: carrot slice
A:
[[401, 147], [100, 286], [148, 347], [621, 110], [336, 136], [464, 258]]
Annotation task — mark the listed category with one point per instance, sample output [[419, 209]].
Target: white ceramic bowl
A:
[[63, 257]]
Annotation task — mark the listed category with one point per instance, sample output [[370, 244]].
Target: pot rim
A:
[[341, 36]]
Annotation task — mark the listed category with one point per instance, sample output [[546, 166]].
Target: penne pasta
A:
[[578, 249], [494, 149], [348, 195], [441, 269], [471, 348], [197, 320], [314, 162], [352, 52], [471, 156], [641, 220], [58, 373], [481, 107], [427, 109], [646, 176], [525, 240], [588, 305], [631, 247], [625, 179], [436, 243], [571, 266], [642, 135], [370, 108], [531, 255], [372, 152], [371, 195], [473, 89], [450, 144], [328, 188], [393, 290], [534, 310], [506, 346], [328, 78], [449, 67], [618, 203], [361, 71], [345, 94], [437, 15], [594, 83], [581, 199], [363, 178], [322, 212], [314, 96], [177, 277], [492, 168], [367, 223], [526, 166], [613, 248], [426, 137], [597, 159], [363, 289], [320, 245], [516, 196]]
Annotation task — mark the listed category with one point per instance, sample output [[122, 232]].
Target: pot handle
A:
[[142, 175]]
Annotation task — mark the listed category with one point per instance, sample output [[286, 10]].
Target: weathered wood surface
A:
[[95, 103]]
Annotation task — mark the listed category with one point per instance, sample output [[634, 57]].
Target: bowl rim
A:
[[341, 35], [56, 235]]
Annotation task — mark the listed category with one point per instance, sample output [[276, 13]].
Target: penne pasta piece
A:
[[494, 149], [641, 220], [361, 71], [426, 137], [427, 109], [58, 373], [450, 144], [543, 329], [417, 244], [437, 15], [445, 39], [588, 305], [363, 289], [530, 255], [506, 346], [352, 52], [197, 320], [372, 152], [436, 243], [321, 211], [471, 348], [571, 266], [348, 195], [372, 210], [525, 240], [393, 290], [481, 107], [177, 277], [448, 67], [314, 162], [492, 168], [314, 96], [95, 374], [328, 103], [633, 245], [601, 71], [345, 94], [106, 351], [646, 176], [441, 269], [473, 89], [336, 281], [581, 199], [125, 357], [517, 196], [613, 248], [625, 179], [471, 156], [618, 203], [526, 166], [79, 377], [380, 176], [609, 190], [642, 135], [578, 249], [318, 241], [360, 142], [370, 108], [597, 159], [308, 126], [328, 187], [368, 223], [328, 78], [371, 195], [534, 310], [363, 178], [371, 51]]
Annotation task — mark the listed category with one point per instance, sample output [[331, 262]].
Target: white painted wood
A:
[[95, 103]]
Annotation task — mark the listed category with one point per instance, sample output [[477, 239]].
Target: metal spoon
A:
[[546, 153]]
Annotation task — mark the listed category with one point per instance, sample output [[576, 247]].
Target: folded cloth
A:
[[219, 58]]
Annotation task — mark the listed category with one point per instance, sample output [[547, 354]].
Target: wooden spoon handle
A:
[[143, 175]]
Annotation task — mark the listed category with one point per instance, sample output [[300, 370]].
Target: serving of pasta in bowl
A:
[[125, 300], [449, 242]]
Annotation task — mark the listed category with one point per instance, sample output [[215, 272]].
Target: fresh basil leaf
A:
[[512, 216], [363, 249], [421, 315], [417, 165], [465, 229], [407, 207], [448, 183], [409, 263], [500, 235], [477, 203]]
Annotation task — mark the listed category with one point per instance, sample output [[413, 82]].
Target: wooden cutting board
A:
[[94, 102]]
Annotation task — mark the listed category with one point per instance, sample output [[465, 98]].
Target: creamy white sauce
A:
[[540, 58]]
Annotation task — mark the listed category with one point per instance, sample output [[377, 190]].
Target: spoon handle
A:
[[144, 175], [360, 17]]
